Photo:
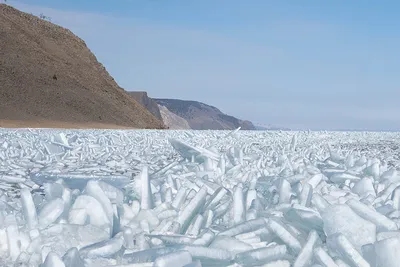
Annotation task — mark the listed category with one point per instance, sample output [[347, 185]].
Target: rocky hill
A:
[[173, 121], [48, 76], [149, 103], [201, 116]]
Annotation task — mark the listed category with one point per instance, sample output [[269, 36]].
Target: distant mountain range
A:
[[184, 114], [201, 116], [271, 128]]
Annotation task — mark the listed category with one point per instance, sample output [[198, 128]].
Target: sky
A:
[[306, 64]]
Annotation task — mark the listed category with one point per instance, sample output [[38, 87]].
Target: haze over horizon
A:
[[305, 65]]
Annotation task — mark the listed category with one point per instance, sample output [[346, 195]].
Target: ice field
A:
[[199, 198]]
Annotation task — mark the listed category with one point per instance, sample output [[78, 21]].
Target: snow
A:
[[199, 198]]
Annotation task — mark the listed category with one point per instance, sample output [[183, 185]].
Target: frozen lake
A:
[[199, 198]]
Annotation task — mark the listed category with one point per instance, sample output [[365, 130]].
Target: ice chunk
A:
[[13, 241], [79, 181], [187, 151], [396, 198], [65, 236], [53, 260], [342, 219], [306, 195], [239, 208], [209, 255], [115, 195], [196, 226], [188, 213], [230, 244], [323, 258], [306, 254], [105, 248], [342, 177], [245, 227], [364, 187], [146, 195], [262, 255], [179, 198], [195, 263], [280, 263], [285, 191], [304, 218], [94, 190], [29, 208], [387, 252], [178, 259], [346, 250], [148, 255], [205, 238], [51, 212], [72, 258], [88, 209], [381, 221], [281, 231]]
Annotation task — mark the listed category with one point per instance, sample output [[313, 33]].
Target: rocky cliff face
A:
[[149, 103], [173, 121], [48, 75], [201, 116]]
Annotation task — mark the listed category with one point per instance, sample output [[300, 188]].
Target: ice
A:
[[147, 197], [305, 256], [72, 258], [79, 181], [187, 214], [50, 212], [387, 252], [341, 245], [178, 259], [198, 198], [323, 258], [29, 208], [88, 209], [283, 233], [261, 255], [104, 248], [342, 219], [230, 244], [53, 260], [382, 222]]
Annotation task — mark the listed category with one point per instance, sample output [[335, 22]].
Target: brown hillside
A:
[[143, 99], [47, 74]]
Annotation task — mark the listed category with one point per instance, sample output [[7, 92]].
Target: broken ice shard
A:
[[79, 181], [50, 212], [188, 213], [198, 153], [29, 208], [179, 258], [147, 196]]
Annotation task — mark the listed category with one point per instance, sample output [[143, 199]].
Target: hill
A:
[[48, 76], [149, 103], [201, 116], [173, 121]]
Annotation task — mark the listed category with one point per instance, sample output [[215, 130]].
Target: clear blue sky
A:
[[301, 64]]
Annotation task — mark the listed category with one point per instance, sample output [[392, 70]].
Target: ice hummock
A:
[[209, 198]]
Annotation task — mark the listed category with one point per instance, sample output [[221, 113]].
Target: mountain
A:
[[50, 78], [270, 128], [201, 116], [149, 103], [173, 121]]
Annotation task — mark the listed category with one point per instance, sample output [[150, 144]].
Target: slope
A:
[[47, 74], [201, 116]]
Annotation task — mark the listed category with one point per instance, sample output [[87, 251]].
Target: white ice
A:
[[199, 198]]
